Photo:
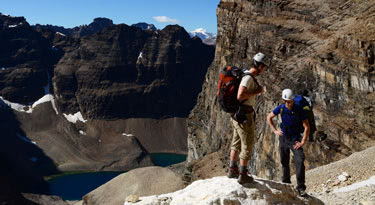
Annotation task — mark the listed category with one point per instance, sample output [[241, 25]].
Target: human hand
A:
[[260, 89], [278, 133], [298, 145]]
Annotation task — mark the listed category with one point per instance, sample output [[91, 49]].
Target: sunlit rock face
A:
[[325, 47]]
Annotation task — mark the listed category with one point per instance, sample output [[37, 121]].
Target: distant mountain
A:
[[207, 38], [79, 31], [145, 26]]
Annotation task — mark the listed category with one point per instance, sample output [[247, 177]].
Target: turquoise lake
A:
[[75, 186]]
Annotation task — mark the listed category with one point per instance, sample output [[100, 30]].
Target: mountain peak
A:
[[145, 26], [207, 38]]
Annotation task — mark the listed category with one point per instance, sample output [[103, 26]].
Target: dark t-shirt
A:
[[291, 120]]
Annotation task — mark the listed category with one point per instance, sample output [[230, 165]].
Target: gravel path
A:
[[322, 181]]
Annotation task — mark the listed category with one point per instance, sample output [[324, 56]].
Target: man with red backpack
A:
[[293, 121], [243, 118]]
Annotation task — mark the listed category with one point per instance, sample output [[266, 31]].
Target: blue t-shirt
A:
[[291, 120]]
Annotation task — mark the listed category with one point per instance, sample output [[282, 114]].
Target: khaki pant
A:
[[243, 137]]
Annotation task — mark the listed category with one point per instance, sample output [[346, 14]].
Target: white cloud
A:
[[165, 19]]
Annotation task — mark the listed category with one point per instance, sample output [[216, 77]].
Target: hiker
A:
[[243, 129], [293, 119]]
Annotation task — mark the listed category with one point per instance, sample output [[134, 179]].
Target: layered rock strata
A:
[[325, 47]]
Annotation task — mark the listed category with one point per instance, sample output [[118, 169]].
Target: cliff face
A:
[[118, 73], [326, 47], [25, 60]]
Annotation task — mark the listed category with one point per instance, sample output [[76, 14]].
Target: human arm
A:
[[306, 133], [270, 116], [244, 94]]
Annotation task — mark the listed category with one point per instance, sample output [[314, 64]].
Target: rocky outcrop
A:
[[141, 182], [97, 25], [222, 190], [326, 47]]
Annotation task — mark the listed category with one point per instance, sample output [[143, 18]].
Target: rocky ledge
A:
[[225, 191]]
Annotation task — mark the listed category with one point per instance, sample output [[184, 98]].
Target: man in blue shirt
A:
[[293, 121]]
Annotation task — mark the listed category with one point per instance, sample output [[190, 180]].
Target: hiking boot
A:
[[233, 172], [286, 181], [302, 192], [245, 179]]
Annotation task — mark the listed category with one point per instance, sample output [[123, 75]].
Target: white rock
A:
[[342, 178], [132, 198], [225, 191], [345, 174]]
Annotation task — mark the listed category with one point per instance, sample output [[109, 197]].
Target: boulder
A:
[[225, 191], [138, 182]]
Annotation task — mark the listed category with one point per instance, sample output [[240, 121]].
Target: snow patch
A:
[[202, 33], [29, 109], [16, 106], [128, 135], [82, 132], [12, 26], [44, 99], [369, 182], [140, 55], [75, 117], [61, 34], [47, 93]]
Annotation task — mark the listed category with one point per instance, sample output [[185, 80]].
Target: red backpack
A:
[[227, 88]]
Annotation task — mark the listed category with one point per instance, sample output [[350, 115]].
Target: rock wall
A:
[[126, 72], [326, 47], [26, 58]]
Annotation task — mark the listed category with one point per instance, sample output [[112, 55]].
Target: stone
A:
[[345, 174], [342, 178], [132, 198]]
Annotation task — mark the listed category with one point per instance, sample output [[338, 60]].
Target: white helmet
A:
[[259, 58], [287, 94]]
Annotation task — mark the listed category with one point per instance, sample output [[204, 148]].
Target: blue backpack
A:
[[301, 101]]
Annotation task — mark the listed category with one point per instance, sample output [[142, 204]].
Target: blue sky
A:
[[191, 14]]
